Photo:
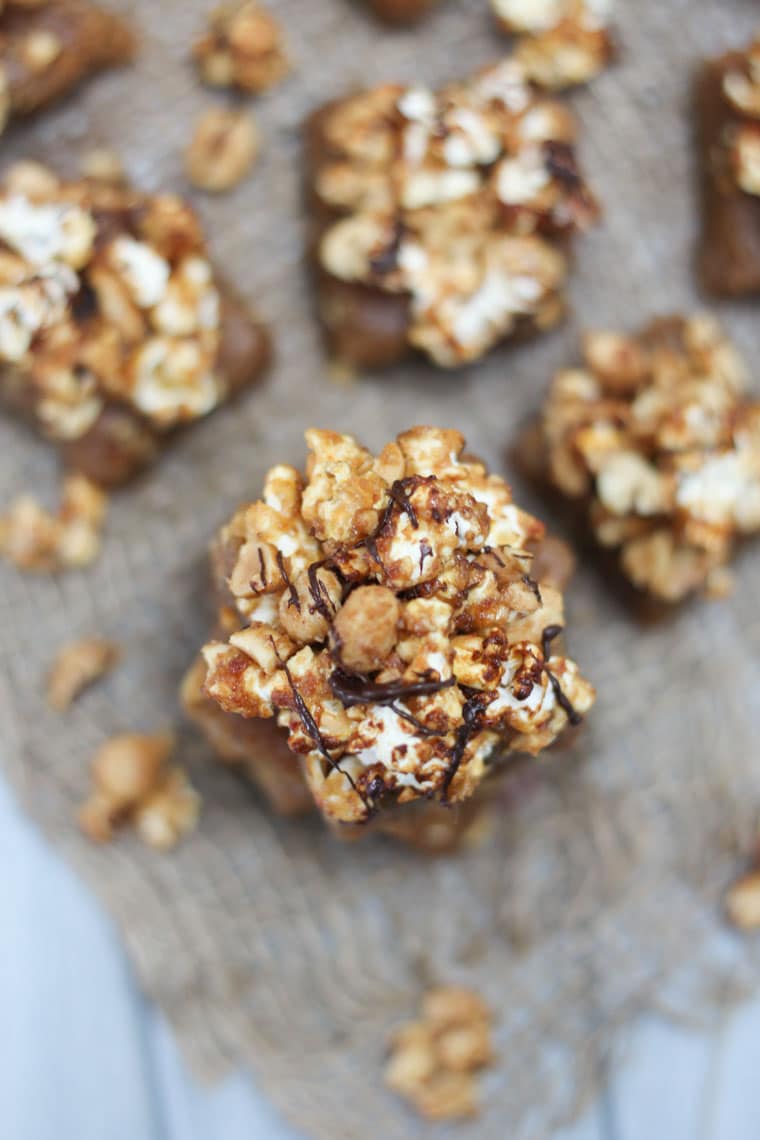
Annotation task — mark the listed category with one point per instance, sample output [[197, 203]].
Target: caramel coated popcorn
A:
[[382, 611], [564, 42], [48, 46], [76, 667], [32, 539], [133, 784], [111, 318], [434, 1060], [460, 203], [242, 48], [654, 436]]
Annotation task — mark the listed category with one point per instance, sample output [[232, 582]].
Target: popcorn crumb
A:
[[103, 165], [434, 1060], [242, 48], [743, 901], [77, 666], [223, 149], [132, 783], [32, 539], [564, 42]]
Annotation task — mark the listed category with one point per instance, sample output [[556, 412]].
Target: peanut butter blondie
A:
[[114, 329], [442, 221], [656, 442], [47, 47], [381, 612]]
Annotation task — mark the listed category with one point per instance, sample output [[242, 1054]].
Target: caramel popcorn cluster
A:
[[462, 201], [133, 784], [434, 1060], [655, 437], [382, 609], [563, 42], [33, 539], [741, 89], [48, 46], [241, 48]]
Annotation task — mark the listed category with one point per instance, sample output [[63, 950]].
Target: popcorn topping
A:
[[656, 433], [459, 200], [390, 623], [105, 292], [741, 89]]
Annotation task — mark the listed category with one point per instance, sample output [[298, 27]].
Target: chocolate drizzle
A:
[[472, 715], [312, 730], [262, 567], [549, 635], [319, 595], [398, 497], [294, 600], [387, 260], [353, 690]]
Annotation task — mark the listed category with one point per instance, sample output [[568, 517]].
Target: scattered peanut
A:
[[223, 149]]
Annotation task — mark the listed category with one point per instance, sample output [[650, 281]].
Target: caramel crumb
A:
[[77, 666], [241, 48], [223, 149], [434, 1060], [103, 165], [32, 539], [132, 783], [743, 901]]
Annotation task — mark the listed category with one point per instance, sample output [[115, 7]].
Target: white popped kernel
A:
[[43, 233], [519, 180], [145, 272]]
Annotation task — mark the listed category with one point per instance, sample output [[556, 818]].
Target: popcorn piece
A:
[[34, 540], [48, 48], [565, 42], [242, 48], [224, 147], [442, 219], [656, 441], [743, 901], [728, 120], [381, 611], [434, 1060], [76, 667], [113, 327], [133, 784]]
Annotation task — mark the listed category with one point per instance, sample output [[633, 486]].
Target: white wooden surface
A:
[[83, 1056]]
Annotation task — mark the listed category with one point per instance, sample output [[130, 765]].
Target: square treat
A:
[[655, 442], [47, 47], [728, 119], [114, 329], [442, 221], [382, 613]]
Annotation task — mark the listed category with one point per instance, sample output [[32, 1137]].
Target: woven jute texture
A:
[[269, 944]]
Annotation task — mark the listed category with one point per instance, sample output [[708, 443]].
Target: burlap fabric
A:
[[269, 944]]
